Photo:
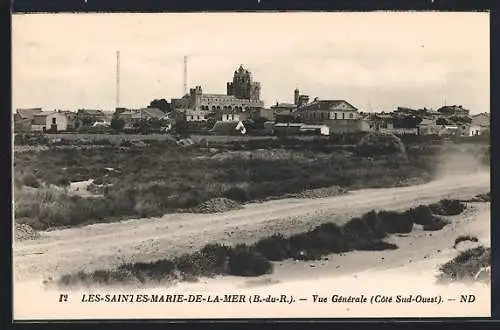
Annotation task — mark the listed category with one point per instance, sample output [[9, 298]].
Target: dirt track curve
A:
[[108, 245]]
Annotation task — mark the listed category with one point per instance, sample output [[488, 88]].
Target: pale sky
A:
[[376, 61]]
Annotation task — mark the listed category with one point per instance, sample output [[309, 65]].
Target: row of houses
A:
[[339, 116], [37, 120], [323, 117]]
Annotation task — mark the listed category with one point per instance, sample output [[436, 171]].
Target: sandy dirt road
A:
[[108, 245], [368, 273]]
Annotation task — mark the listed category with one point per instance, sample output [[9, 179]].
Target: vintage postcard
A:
[[251, 165]]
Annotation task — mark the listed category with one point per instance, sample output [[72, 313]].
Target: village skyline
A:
[[68, 61]]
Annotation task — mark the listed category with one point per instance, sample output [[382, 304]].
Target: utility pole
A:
[[118, 79], [185, 75]]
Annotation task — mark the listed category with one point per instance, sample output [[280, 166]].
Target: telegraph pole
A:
[[118, 79], [185, 75]]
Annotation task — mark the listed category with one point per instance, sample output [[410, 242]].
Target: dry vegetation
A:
[[466, 266], [162, 177]]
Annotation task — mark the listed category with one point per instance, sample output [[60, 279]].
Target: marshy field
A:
[[266, 211]]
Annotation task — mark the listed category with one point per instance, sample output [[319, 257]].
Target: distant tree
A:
[[441, 121], [117, 124], [461, 119], [408, 122], [161, 104], [181, 129], [87, 121], [143, 126]]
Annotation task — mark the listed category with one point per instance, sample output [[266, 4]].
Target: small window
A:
[[351, 116], [343, 115], [335, 115], [54, 121]]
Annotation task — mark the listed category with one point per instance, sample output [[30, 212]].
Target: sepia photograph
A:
[[251, 165]]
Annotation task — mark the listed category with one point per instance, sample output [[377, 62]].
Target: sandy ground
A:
[[411, 269], [378, 274], [108, 245]]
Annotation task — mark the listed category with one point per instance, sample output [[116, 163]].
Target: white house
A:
[[57, 120]]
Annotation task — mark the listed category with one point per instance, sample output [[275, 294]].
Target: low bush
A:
[[372, 220], [244, 261], [374, 144], [377, 246], [359, 230], [395, 222], [482, 198], [436, 224], [421, 215], [274, 248], [466, 264], [464, 238], [448, 207]]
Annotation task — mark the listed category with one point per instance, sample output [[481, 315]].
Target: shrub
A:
[[395, 222], [464, 238], [216, 256], [448, 207], [466, 264], [376, 245], [246, 262], [357, 231], [193, 265], [336, 240], [310, 245], [374, 144], [274, 248], [482, 197], [372, 220], [421, 215], [437, 224]]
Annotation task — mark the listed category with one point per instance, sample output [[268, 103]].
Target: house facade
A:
[[24, 119], [57, 122], [339, 115], [482, 121], [196, 115], [262, 113]]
